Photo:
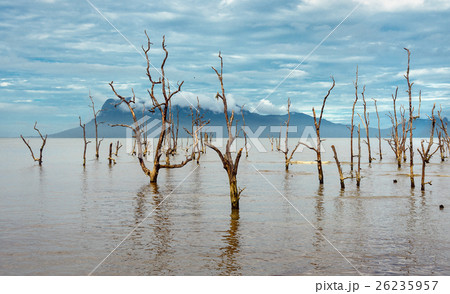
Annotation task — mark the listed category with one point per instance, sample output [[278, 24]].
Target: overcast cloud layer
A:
[[52, 52]]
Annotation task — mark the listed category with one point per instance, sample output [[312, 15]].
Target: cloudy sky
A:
[[53, 52]]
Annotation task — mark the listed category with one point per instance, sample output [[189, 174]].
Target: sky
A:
[[53, 53]]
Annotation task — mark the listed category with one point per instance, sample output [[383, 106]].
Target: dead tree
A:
[[83, 126], [443, 127], [411, 119], [118, 146], [366, 123], [244, 132], [287, 157], [338, 164], [230, 165], [319, 141], [97, 142], [44, 140], [358, 171], [197, 124], [353, 115], [111, 159], [162, 105], [425, 152], [379, 129], [441, 146], [394, 141]]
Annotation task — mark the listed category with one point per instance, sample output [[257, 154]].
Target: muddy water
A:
[[61, 219]]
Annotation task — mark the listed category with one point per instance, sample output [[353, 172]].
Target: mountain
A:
[[269, 124]]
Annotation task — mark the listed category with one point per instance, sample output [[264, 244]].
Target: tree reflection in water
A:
[[229, 261]]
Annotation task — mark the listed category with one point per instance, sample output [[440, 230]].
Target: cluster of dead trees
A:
[[161, 95]]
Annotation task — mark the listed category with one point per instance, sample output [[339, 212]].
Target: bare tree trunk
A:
[[97, 141], [379, 130], [118, 146], [358, 172], [111, 160], [411, 118], [338, 164], [352, 125], [83, 126], [366, 123]]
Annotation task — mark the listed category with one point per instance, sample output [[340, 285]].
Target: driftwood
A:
[[44, 140], [230, 165]]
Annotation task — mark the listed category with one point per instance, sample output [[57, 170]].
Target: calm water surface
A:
[[63, 219]]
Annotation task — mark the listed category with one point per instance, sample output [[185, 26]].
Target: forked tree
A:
[[425, 151], [317, 123], [352, 126], [86, 142], [229, 164], [95, 112], [395, 141], [162, 104], [287, 156], [44, 140]]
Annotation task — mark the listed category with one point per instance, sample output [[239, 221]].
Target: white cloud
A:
[[5, 84]]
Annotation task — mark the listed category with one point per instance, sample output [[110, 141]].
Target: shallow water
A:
[[62, 219]]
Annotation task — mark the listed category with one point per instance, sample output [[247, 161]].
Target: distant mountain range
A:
[[114, 115]]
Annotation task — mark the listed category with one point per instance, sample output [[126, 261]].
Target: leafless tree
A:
[[425, 152], [353, 116], [111, 159], [366, 123], [162, 105], [444, 135], [118, 146], [287, 156], [86, 142], [245, 133], [338, 164], [395, 142], [411, 119], [317, 123], [197, 124], [96, 123], [44, 140], [358, 171], [230, 165], [379, 129]]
